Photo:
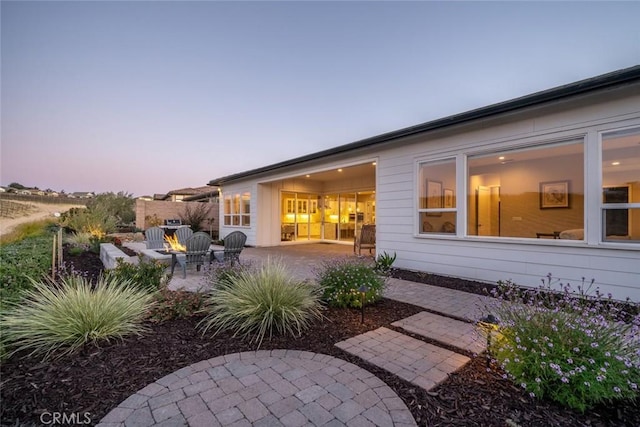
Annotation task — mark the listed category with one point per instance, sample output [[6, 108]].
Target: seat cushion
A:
[[575, 234]]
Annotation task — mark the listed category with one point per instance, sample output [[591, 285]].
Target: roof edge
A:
[[603, 81]]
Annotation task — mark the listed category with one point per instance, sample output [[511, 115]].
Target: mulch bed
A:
[[97, 379]]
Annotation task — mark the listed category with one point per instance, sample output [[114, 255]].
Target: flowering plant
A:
[[342, 279], [574, 348]]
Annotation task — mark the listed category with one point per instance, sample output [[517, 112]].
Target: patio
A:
[[284, 387]]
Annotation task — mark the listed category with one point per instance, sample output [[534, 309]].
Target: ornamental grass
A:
[[259, 302], [62, 317]]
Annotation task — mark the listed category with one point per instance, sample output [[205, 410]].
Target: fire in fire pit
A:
[[174, 244]]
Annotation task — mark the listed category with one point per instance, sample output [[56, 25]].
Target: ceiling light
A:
[[374, 163], [308, 175], [501, 158], [615, 163], [339, 170]]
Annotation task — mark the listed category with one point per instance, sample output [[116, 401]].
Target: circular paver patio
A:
[[264, 388]]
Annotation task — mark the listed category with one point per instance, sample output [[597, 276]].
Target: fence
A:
[[10, 209], [60, 200]]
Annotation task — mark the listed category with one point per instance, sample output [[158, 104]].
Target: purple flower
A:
[[570, 361], [594, 345], [565, 379], [617, 389]]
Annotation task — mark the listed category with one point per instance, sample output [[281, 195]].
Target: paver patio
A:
[[294, 388]]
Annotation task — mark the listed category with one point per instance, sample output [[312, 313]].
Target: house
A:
[[544, 183], [186, 194], [82, 195]]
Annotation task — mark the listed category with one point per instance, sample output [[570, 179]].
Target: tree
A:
[[17, 186]]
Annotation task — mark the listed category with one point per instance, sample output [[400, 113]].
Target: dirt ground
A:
[[42, 211]]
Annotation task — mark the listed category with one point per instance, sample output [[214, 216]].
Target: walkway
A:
[[294, 388]]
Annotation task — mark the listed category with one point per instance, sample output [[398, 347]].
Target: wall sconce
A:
[[488, 324], [363, 290]]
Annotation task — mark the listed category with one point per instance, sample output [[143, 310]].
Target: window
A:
[[237, 210], [534, 192], [227, 210], [621, 186], [246, 209], [437, 197]]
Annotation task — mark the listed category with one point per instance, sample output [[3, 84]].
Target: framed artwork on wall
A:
[[448, 198], [434, 197], [554, 194]]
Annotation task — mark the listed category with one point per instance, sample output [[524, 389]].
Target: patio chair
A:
[[154, 238], [183, 234], [366, 239], [233, 245], [198, 247]]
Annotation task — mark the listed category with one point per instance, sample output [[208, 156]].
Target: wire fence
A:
[[9, 209], [43, 199]]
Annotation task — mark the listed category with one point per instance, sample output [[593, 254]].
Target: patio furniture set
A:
[[197, 247]]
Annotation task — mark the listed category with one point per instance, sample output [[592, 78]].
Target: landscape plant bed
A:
[[98, 378]]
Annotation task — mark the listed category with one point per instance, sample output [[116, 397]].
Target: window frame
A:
[[602, 205], [419, 162], [235, 212]]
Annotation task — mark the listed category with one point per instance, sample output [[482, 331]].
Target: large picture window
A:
[[237, 209], [437, 197], [534, 192], [621, 186]]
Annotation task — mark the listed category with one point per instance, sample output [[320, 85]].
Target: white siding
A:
[[616, 268]]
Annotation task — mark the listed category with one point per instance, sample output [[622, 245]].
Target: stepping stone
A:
[[418, 362], [449, 331]]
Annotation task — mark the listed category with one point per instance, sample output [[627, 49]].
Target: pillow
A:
[[448, 227], [575, 234]]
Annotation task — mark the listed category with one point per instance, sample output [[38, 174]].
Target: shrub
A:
[[384, 262], [341, 280], [260, 302], [31, 255], [120, 206], [96, 222], [146, 275], [195, 215], [171, 305], [572, 348], [76, 250], [79, 239], [67, 315]]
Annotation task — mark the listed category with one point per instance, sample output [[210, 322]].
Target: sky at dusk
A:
[[146, 97]]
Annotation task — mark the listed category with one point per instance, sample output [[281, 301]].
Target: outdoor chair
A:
[[183, 234], [154, 238], [233, 245], [366, 239], [198, 247]]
